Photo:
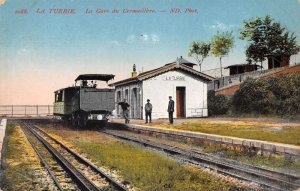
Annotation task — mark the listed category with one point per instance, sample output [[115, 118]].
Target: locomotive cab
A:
[[84, 103]]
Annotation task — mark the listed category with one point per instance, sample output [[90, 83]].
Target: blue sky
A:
[[50, 50]]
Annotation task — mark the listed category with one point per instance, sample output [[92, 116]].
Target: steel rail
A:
[[114, 183], [288, 178], [220, 166], [82, 181], [43, 161], [263, 170]]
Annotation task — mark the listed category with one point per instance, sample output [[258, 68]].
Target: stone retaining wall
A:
[[263, 146]]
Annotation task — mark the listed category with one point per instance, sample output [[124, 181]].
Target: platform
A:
[[264, 146], [2, 134]]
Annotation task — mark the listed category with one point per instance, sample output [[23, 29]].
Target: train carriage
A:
[[84, 104]]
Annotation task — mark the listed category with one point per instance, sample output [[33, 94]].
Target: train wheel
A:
[[75, 120], [83, 121], [104, 124], [78, 121], [101, 125]]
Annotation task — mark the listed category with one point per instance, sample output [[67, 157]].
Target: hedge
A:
[[276, 95]]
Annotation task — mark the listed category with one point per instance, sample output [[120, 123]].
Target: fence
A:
[[26, 110], [237, 78]]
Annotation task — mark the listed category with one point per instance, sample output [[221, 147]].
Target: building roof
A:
[[277, 54], [183, 61], [101, 77], [161, 70], [241, 65]]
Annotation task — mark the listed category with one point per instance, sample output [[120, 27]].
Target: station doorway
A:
[[180, 102]]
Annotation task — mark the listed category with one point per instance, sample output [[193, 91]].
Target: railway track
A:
[[44, 162], [58, 174], [85, 175], [265, 178]]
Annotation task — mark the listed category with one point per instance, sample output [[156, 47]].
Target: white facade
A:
[[159, 88], [193, 99]]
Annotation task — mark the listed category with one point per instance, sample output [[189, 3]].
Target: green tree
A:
[[265, 36], [221, 44], [199, 50]]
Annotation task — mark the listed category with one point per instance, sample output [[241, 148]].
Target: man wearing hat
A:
[[125, 107], [171, 109], [148, 111]]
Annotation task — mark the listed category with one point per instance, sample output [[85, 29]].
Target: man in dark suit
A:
[[171, 109], [148, 110], [125, 107]]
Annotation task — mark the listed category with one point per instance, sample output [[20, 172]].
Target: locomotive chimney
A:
[[134, 73]]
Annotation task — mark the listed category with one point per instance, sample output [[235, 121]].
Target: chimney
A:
[[134, 73]]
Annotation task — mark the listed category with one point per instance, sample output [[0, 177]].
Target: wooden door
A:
[[180, 102]]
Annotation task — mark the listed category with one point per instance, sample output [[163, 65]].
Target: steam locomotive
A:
[[85, 104]]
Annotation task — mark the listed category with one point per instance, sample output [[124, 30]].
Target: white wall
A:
[[159, 88]]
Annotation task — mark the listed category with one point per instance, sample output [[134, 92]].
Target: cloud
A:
[[154, 38], [298, 1], [220, 26], [144, 37], [2, 2]]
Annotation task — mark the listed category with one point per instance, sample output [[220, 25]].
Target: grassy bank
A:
[[24, 171], [149, 171], [269, 160], [274, 132], [144, 169]]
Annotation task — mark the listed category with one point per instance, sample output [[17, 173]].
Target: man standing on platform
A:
[[148, 111], [171, 109], [125, 107]]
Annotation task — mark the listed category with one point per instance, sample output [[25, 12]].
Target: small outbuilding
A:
[[178, 79], [278, 60], [241, 68]]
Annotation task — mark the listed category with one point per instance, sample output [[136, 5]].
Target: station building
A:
[[178, 79]]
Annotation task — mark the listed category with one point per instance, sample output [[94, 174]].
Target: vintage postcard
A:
[[150, 95]]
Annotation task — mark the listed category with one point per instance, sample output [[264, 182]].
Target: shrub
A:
[[254, 96], [277, 95], [286, 89], [217, 104]]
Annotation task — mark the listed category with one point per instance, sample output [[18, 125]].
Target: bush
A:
[[277, 95], [255, 96], [217, 104], [286, 89]]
